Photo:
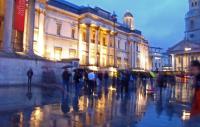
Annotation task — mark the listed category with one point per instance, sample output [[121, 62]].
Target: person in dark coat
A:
[[66, 79], [106, 78], [195, 71], [29, 75]]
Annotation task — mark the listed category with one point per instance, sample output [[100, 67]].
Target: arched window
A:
[[195, 3]]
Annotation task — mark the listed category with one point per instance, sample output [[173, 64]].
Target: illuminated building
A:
[[158, 61], [189, 48], [155, 58], [63, 30]]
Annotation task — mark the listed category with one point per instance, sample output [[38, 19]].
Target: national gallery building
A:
[[57, 30]]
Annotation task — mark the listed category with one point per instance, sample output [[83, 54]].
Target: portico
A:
[[12, 40], [96, 45]]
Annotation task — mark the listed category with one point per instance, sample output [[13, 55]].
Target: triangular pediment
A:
[[181, 46]]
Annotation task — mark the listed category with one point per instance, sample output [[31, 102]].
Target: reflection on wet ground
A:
[[107, 107]]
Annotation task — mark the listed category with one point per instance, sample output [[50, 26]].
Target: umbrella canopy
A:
[[67, 66], [152, 74]]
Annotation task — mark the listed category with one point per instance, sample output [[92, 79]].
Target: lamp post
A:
[[114, 19]]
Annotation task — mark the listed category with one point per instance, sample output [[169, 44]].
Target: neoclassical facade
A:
[[189, 48], [63, 30]]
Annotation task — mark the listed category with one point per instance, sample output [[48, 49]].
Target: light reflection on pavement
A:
[[108, 107]]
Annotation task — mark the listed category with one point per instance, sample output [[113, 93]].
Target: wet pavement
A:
[[106, 107]]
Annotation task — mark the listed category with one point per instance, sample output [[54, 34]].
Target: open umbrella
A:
[[67, 66], [152, 74]]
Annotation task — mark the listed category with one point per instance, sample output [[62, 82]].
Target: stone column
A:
[[96, 43], [115, 48], [40, 45], [130, 54], [8, 26], [88, 42], [31, 26], [108, 47]]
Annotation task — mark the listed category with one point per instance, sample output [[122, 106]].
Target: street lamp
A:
[[114, 19]]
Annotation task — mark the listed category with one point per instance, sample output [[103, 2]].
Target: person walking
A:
[[106, 79], [195, 71], [66, 79], [91, 78], [29, 75], [76, 79]]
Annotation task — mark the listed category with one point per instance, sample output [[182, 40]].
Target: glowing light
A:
[[92, 60], [40, 44], [93, 68], [186, 115], [188, 49], [112, 69], [157, 58], [112, 88]]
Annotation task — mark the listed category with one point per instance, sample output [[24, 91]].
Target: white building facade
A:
[[189, 48], [63, 30]]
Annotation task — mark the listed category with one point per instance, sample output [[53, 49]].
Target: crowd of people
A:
[[84, 78], [123, 80]]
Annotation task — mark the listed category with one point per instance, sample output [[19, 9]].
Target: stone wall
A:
[[13, 71]]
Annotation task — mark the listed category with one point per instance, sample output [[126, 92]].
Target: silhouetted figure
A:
[[195, 70], [29, 75], [66, 78], [91, 78], [65, 108], [161, 82], [86, 80], [106, 78], [77, 79], [99, 78]]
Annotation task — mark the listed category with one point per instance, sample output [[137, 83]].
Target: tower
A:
[[129, 20], [192, 21]]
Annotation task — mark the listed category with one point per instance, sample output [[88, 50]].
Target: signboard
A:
[[20, 8]]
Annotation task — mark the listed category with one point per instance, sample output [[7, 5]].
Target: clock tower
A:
[[192, 21]]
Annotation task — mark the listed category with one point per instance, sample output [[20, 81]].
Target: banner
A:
[[20, 8]]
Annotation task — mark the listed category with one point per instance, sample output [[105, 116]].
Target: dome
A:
[[128, 14]]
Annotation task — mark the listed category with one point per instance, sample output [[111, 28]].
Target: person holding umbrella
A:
[[66, 79]]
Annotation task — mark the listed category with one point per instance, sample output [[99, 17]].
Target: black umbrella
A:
[[67, 66]]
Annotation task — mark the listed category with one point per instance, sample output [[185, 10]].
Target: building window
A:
[[111, 60], [59, 25], [192, 24], [84, 36], [57, 53], [191, 35], [36, 20], [126, 46], [126, 62], [118, 45], [72, 53], [104, 40], [73, 33], [137, 48], [111, 41], [195, 3], [119, 62], [93, 36]]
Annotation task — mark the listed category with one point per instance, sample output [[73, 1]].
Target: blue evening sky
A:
[[161, 21]]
